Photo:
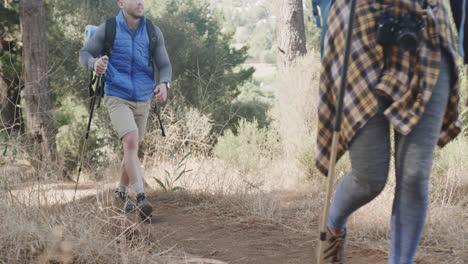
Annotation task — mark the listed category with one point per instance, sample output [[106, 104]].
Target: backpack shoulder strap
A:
[[315, 12], [110, 36], [150, 28]]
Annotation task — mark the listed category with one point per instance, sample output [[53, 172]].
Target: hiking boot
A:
[[127, 203], [144, 206], [334, 247]]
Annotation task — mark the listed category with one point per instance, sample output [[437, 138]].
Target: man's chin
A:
[[138, 16]]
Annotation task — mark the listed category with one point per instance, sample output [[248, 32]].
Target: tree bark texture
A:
[[290, 32], [39, 122]]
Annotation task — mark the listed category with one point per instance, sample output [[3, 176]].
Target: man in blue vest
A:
[[129, 86]]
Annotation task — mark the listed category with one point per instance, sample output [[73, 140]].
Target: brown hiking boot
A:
[[144, 206], [125, 201], [334, 247]]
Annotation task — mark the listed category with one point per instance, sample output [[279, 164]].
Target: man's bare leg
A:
[[132, 171], [124, 180], [122, 192]]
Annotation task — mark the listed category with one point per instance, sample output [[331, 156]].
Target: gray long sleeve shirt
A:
[[94, 46]]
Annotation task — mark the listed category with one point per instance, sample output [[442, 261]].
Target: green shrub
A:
[[251, 110], [251, 149], [102, 147], [204, 64]]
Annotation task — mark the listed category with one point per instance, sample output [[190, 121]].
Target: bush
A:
[[186, 130], [251, 149], [251, 110], [102, 147], [205, 66]]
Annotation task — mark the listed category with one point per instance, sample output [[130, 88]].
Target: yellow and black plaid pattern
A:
[[407, 78]]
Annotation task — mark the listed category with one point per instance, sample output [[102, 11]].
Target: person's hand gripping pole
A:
[[103, 61], [100, 67], [161, 96]]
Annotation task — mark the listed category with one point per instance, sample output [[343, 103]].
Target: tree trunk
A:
[[290, 32], [39, 122]]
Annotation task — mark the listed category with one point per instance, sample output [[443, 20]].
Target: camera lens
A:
[[407, 40], [407, 37]]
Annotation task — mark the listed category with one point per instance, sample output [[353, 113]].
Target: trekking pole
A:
[[157, 110], [98, 92], [336, 133], [156, 107]]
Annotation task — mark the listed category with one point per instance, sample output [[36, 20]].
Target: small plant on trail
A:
[[178, 171]]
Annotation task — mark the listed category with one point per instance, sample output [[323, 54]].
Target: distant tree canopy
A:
[[253, 23], [206, 68]]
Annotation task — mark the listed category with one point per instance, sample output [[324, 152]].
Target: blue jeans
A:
[[370, 160]]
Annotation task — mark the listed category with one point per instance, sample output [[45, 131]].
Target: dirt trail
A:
[[193, 226], [206, 233]]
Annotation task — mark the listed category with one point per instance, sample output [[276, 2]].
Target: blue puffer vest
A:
[[128, 74]]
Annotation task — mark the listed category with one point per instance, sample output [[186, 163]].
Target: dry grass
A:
[[296, 105], [89, 231], [288, 192]]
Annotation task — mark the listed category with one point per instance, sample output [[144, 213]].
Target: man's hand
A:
[[100, 66], [161, 93]]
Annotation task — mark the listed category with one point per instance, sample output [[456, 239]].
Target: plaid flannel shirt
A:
[[406, 78]]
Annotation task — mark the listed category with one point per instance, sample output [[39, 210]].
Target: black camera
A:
[[404, 31]]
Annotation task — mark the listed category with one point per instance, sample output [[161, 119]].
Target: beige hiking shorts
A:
[[127, 116]]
